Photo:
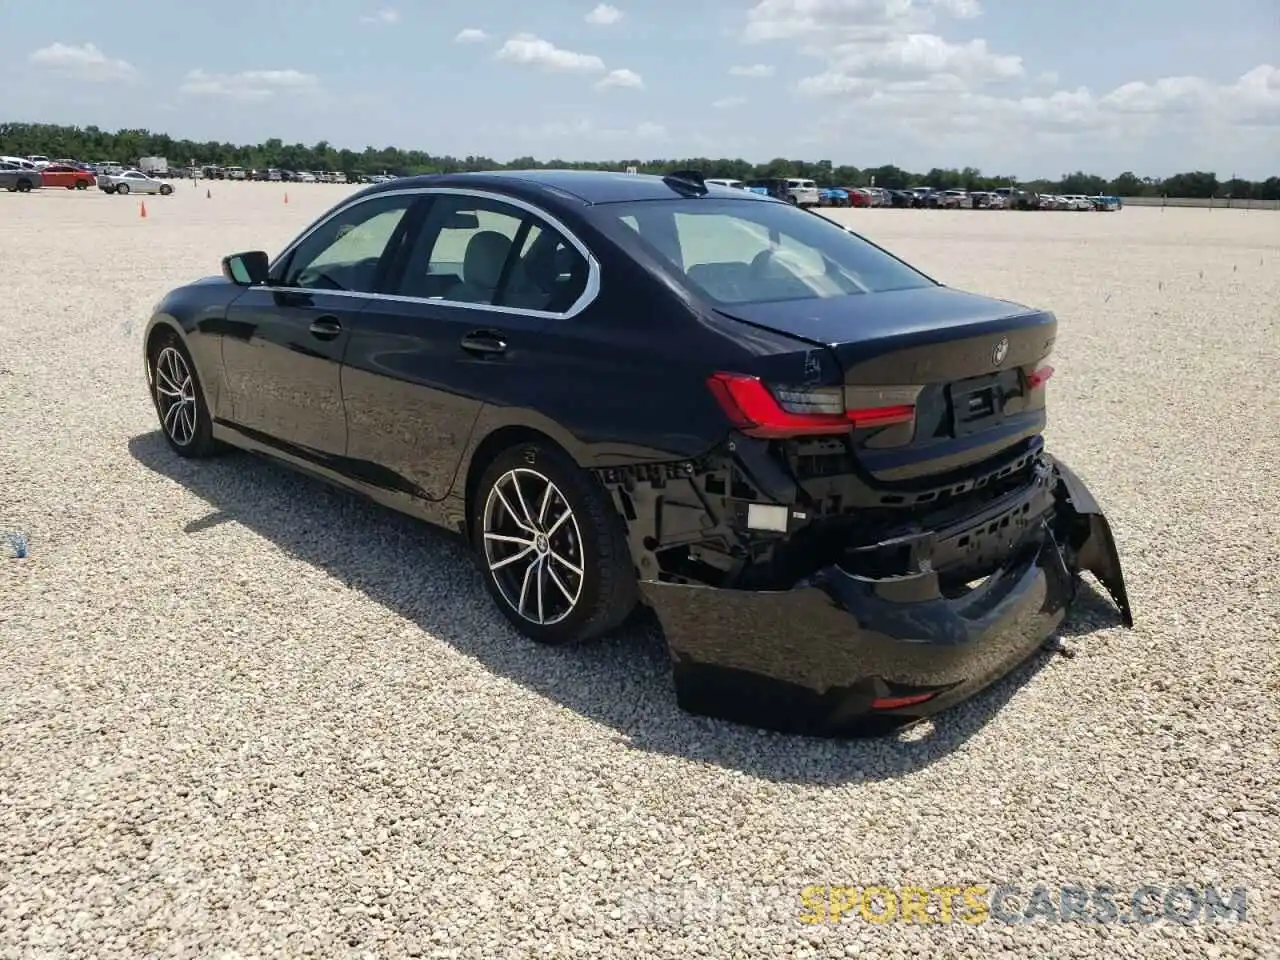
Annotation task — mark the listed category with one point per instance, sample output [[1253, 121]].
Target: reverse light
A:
[[1037, 378], [756, 410]]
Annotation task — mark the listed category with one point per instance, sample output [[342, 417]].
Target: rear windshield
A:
[[744, 251]]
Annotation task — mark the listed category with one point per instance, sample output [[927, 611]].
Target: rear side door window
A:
[[482, 251]]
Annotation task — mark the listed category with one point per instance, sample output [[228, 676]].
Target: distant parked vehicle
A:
[[1105, 203], [18, 179], [134, 181], [21, 163], [833, 197], [63, 175]]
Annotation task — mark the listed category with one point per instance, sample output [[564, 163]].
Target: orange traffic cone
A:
[[142, 210], [286, 198]]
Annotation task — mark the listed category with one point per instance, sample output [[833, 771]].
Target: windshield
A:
[[744, 251]]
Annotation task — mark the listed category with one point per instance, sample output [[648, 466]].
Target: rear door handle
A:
[[484, 343], [326, 328]]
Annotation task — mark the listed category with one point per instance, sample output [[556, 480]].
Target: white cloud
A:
[[604, 15], [249, 84], [528, 50], [960, 9], [387, 15], [625, 79], [84, 62], [471, 35], [728, 103], [758, 70]]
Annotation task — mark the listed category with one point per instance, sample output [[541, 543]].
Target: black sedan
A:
[[823, 470]]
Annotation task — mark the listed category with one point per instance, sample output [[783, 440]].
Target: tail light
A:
[[1038, 377], [759, 411]]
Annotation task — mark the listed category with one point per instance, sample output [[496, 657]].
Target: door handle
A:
[[326, 328], [484, 343]]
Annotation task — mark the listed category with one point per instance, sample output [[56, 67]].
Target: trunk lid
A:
[[969, 366]]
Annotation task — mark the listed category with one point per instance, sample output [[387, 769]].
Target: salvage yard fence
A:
[[1210, 203]]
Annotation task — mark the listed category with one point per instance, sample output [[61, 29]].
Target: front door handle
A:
[[484, 343], [326, 328]]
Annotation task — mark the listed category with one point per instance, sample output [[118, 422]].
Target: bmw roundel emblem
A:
[[1000, 352]]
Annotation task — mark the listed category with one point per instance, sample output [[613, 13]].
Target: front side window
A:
[[479, 250], [743, 251], [343, 253]]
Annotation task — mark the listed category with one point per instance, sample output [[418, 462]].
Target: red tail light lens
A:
[[1037, 378], [784, 412]]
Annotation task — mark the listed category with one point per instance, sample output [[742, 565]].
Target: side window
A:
[[483, 251], [344, 253]]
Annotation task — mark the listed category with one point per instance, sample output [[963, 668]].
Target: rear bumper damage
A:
[[850, 650]]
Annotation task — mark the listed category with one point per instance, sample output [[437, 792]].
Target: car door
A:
[[285, 340], [466, 301]]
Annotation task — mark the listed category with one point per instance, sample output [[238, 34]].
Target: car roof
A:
[[583, 186]]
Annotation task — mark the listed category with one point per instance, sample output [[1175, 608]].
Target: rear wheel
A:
[[553, 548], [165, 189], [24, 186], [179, 399], [82, 184], [122, 188]]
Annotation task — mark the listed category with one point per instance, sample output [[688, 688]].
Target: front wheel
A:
[[165, 190], [82, 184], [24, 186], [552, 546], [179, 399]]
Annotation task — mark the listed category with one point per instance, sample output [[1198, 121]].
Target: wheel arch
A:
[[488, 449]]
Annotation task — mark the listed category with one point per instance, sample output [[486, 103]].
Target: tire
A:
[[165, 189], [82, 184], [179, 399], [24, 186], [122, 189], [519, 511]]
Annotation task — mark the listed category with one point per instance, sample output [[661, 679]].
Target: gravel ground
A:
[[245, 716]]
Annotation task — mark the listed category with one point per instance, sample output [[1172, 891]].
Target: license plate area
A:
[[976, 404]]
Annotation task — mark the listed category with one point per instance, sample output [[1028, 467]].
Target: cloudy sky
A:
[[1010, 86]]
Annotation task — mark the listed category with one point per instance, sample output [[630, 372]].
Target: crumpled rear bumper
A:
[[842, 653]]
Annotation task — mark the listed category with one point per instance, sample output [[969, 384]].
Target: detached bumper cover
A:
[[828, 656]]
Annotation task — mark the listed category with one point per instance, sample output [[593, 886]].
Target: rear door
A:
[[460, 326], [285, 341]]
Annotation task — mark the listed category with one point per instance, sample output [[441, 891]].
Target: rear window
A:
[[743, 251]]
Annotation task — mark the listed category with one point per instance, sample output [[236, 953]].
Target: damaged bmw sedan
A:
[[822, 470]]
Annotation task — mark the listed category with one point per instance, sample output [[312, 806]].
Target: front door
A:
[[284, 342], [470, 294]]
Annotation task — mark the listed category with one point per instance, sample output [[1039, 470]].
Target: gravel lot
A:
[[244, 715]]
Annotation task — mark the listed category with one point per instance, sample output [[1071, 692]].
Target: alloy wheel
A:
[[533, 547], [176, 396]]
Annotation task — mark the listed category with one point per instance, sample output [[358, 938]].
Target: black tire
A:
[[122, 189], [165, 190], [24, 186], [593, 538], [82, 184], [199, 442]]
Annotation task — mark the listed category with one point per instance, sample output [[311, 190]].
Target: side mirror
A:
[[246, 269]]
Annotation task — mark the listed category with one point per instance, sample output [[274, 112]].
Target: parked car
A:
[[133, 181], [833, 197], [17, 179], [860, 197], [824, 471], [62, 175]]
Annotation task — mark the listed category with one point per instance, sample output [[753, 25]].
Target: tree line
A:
[[89, 144]]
